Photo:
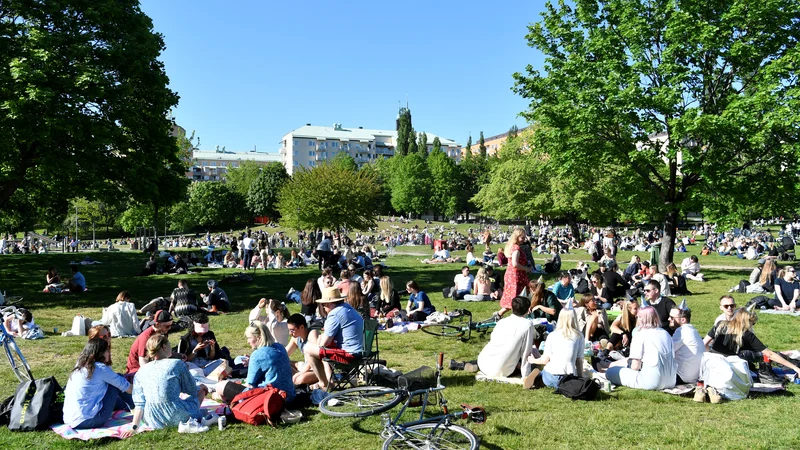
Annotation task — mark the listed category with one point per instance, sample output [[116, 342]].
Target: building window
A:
[[310, 143], [295, 153], [311, 163], [295, 142], [296, 163], [311, 153], [214, 163], [334, 144]]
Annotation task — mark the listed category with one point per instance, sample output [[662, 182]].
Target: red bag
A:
[[258, 406]]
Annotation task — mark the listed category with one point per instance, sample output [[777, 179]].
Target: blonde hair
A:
[[672, 269], [766, 271], [567, 324], [481, 276], [628, 320], [155, 343], [259, 330], [386, 288], [741, 322], [512, 241]]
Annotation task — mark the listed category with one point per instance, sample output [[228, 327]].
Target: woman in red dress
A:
[[516, 278]]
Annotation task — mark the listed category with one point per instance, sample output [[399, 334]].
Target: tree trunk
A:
[[668, 241], [573, 226]]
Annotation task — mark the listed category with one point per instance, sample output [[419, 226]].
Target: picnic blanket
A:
[[119, 422], [775, 311], [480, 376]]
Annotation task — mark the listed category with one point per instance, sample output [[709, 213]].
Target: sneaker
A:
[[455, 365], [471, 367], [713, 395], [210, 419], [767, 375], [192, 426], [700, 395], [615, 355], [495, 317], [527, 382], [291, 290]]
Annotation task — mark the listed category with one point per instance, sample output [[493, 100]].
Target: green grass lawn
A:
[[517, 418]]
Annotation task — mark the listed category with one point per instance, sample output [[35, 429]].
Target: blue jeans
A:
[[294, 297], [113, 400], [551, 380]]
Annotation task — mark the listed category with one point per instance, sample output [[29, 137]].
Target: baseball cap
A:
[[162, 316]]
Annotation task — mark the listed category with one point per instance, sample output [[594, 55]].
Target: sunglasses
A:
[[648, 290], [732, 305]]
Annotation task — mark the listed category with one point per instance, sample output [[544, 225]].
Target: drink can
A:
[[607, 386], [222, 422], [796, 380]]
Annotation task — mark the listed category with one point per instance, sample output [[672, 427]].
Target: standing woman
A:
[[419, 305], [94, 391], [516, 278], [158, 385]]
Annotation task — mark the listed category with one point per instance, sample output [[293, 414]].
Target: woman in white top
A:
[[563, 351], [121, 317], [651, 365], [276, 323]]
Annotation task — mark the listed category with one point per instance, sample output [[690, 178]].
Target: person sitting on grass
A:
[[158, 386], [691, 269], [216, 302], [592, 320], [544, 303], [662, 305], [787, 291], [94, 391], [277, 312], [419, 306], [462, 285], [199, 344], [301, 334], [687, 345], [510, 344], [77, 282], [343, 339], [121, 317], [267, 365], [481, 288], [563, 352], [388, 299], [18, 324], [137, 357], [183, 301], [622, 328], [651, 365], [563, 288]]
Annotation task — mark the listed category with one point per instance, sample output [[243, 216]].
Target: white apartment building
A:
[[212, 165], [310, 145]]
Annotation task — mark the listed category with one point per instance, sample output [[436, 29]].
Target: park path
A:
[[705, 266]]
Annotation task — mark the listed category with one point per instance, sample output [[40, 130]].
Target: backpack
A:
[[37, 404], [258, 406], [578, 388], [582, 286], [761, 302]]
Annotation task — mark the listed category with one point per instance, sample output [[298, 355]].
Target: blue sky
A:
[[248, 72]]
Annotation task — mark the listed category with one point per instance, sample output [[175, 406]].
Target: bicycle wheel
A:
[[433, 436], [360, 402], [444, 330], [17, 361]]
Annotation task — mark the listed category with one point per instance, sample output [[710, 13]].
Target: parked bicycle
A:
[[460, 326], [416, 387], [18, 363]]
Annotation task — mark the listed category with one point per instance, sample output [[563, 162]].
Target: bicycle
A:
[[460, 326], [438, 432], [18, 362]]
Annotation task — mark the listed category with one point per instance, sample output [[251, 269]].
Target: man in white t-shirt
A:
[[728, 306], [248, 244], [462, 284], [687, 345], [510, 344]]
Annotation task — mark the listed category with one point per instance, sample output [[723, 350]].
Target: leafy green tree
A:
[[474, 174], [181, 218], [344, 161], [444, 184], [468, 148], [403, 131], [262, 198], [216, 204], [689, 96], [329, 196], [241, 178], [437, 145], [136, 216], [482, 146], [513, 132], [411, 185], [412, 141], [422, 144], [85, 104]]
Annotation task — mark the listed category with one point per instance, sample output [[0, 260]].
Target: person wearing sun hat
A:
[[343, 337]]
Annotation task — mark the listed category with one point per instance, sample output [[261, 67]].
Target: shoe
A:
[[615, 355], [210, 419], [495, 317], [713, 395], [471, 367], [455, 365], [291, 290], [767, 375], [191, 426], [603, 343], [700, 394], [527, 382]]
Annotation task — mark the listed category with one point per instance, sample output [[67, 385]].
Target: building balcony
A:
[[362, 159], [320, 158], [321, 148]]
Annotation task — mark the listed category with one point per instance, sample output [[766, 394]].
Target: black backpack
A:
[[583, 286], [761, 301], [578, 388]]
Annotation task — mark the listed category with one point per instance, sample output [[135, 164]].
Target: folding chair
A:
[[361, 369]]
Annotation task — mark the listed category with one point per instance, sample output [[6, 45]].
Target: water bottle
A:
[[222, 422]]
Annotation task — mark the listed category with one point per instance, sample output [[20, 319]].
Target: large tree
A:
[[411, 185], [262, 197], [444, 184], [84, 104], [216, 204], [482, 146], [422, 144], [695, 97], [403, 131], [241, 178], [329, 196]]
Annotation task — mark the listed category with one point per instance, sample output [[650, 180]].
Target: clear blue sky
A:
[[249, 72]]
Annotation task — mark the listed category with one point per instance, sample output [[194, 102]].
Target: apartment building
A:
[[310, 145], [492, 143], [213, 165]]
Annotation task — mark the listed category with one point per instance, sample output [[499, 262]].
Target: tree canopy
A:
[[693, 98], [329, 196], [84, 106], [262, 197]]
